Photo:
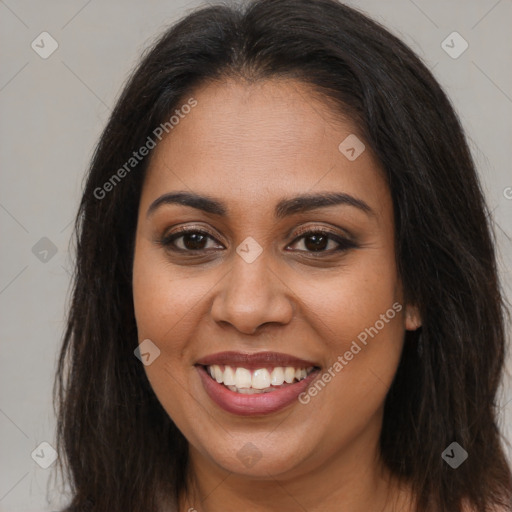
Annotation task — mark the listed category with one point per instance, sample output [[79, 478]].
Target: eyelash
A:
[[344, 243]]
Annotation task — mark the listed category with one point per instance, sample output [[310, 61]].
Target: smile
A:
[[255, 384]]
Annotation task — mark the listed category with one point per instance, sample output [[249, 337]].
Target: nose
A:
[[251, 295]]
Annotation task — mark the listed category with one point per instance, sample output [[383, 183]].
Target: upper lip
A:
[[254, 360]]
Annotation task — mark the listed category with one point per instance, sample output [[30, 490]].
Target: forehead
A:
[[253, 143]]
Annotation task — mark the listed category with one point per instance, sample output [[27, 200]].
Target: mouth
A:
[[261, 383]]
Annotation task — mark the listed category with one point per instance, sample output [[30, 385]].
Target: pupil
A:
[[319, 242], [194, 241]]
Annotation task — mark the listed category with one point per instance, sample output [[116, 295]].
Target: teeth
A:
[[289, 374], [300, 374], [217, 373], [229, 376], [243, 378], [260, 380], [277, 376]]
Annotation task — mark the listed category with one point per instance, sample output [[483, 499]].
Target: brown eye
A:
[[191, 240], [318, 241]]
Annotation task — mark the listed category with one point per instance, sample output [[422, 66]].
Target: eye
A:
[[313, 240], [187, 240], [318, 240]]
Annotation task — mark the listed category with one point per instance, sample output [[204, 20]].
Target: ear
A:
[[412, 317]]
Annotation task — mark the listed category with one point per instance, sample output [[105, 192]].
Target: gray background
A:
[[52, 113]]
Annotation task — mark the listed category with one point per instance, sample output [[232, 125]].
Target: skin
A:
[[249, 146]]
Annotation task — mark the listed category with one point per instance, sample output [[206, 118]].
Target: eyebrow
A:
[[284, 208]]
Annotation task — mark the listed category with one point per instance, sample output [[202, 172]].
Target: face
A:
[[274, 277]]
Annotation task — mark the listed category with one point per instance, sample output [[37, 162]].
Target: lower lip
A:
[[258, 403]]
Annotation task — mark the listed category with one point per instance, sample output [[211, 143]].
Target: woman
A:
[[286, 294]]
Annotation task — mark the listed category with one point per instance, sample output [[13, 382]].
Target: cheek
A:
[[161, 304], [164, 300], [359, 316], [164, 306], [355, 298], [170, 310]]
